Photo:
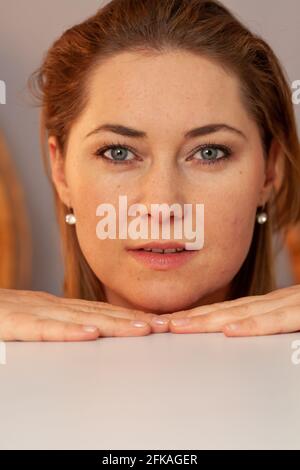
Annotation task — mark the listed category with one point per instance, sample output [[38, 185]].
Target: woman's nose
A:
[[162, 184]]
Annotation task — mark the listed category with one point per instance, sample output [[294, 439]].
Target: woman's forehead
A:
[[178, 77], [180, 88]]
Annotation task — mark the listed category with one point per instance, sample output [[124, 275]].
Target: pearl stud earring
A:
[[262, 216], [70, 218]]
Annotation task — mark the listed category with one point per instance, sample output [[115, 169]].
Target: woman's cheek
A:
[[87, 193], [229, 220]]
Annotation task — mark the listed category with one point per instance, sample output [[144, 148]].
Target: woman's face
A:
[[164, 96]]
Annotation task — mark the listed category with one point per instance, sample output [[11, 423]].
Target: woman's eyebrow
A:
[[197, 132]]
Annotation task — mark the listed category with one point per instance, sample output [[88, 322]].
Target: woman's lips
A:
[[162, 261]]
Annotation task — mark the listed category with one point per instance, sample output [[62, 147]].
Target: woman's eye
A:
[[118, 154], [213, 153]]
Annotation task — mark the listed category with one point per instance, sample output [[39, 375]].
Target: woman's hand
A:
[[272, 313], [39, 316]]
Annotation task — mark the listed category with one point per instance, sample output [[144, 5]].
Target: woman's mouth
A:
[[162, 258]]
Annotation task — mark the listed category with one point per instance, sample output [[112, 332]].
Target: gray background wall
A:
[[27, 29]]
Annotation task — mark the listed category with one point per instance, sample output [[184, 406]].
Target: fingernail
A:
[[180, 321], [138, 324], [159, 321], [90, 328], [232, 326]]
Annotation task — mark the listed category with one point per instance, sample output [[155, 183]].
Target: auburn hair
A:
[[203, 27]]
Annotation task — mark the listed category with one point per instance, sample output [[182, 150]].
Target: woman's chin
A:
[[164, 303], [172, 298]]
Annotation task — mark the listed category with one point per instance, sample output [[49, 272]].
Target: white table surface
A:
[[162, 391]]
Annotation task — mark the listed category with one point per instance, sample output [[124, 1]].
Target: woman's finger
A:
[[270, 323], [157, 323], [101, 317], [108, 325], [214, 321], [27, 327]]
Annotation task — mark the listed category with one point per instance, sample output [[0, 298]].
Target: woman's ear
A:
[[273, 171], [57, 164]]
